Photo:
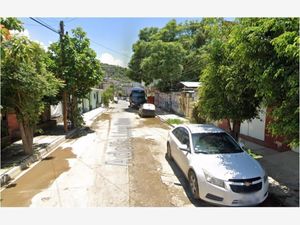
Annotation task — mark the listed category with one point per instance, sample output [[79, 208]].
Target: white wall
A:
[[56, 110], [256, 127]]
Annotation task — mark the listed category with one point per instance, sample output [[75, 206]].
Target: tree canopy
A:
[[25, 81], [244, 65], [80, 69]]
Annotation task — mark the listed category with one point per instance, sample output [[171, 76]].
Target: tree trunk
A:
[[65, 111], [74, 112], [27, 137], [229, 125], [236, 129]]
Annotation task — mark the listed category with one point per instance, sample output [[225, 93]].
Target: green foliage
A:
[[270, 46], [107, 96], [227, 92], [197, 117], [168, 55], [174, 121], [252, 154], [8, 24], [243, 65], [77, 66], [164, 64], [25, 81], [115, 73]]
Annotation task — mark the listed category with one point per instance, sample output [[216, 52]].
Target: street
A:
[[119, 160]]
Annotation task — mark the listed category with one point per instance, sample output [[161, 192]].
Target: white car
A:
[[219, 171], [147, 110]]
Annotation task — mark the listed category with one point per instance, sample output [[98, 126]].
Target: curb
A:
[[164, 121], [40, 153], [12, 173], [37, 156]]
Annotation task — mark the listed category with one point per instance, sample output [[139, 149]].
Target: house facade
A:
[[255, 130]]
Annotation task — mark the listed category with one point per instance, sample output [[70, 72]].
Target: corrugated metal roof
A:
[[191, 84]]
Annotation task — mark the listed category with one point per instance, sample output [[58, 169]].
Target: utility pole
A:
[[64, 97]]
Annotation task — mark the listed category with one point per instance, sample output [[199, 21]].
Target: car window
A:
[[176, 133], [214, 143], [185, 137]]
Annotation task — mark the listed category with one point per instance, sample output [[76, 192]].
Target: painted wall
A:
[[256, 127]]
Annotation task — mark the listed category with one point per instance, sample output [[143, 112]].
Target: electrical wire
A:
[[110, 49], [44, 25]]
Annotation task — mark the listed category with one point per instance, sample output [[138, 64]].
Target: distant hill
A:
[[115, 73]]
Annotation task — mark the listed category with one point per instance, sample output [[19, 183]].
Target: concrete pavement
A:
[[282, 167], [16, 162]]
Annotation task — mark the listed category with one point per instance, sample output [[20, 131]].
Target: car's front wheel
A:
[[194, 184]]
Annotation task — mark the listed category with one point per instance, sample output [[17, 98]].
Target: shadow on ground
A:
[[271, 201], [82, 132], [131, 110], [14, 154], [184, 183]]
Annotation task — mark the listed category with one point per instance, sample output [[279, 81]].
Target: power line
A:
[[52, 29], [71, 19], [44, 25], [110, 49]]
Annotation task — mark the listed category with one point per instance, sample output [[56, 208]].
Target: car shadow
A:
[[131, 110], [184, 183]]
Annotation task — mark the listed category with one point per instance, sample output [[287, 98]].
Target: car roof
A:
[[137, 89], [202, 128]]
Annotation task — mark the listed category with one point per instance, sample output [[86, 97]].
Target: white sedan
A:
[[219, 171]]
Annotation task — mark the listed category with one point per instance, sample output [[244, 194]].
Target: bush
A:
[[107, 95], [196, 117]]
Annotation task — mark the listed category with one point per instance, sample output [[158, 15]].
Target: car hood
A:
[[229, 166]]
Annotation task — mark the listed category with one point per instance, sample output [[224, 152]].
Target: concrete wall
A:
[[180, 103]]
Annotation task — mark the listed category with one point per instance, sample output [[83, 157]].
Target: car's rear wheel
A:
[[194, 184], [169, 153]]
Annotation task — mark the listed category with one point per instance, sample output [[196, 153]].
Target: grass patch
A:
[[255, 156], [174, 121]]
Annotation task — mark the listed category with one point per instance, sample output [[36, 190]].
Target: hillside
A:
[[116, 73]]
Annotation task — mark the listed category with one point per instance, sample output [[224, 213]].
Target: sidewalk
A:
[[282, 168], [13, 159]]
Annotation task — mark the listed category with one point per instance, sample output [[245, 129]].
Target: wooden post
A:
[[64, 97]]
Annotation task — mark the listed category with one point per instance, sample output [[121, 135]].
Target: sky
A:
[[111, 38]]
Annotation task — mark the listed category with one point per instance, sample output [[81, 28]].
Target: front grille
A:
[[246, 189], [245, 180]]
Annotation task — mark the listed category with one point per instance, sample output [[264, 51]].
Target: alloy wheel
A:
[[193, 185]]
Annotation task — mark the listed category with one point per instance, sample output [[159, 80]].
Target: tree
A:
[[81, 69], [108, 95], [270, 46], [226, 92], [7, 25], [25, 81], [164, 63]]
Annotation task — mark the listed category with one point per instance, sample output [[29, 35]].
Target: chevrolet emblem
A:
[[247, 183]]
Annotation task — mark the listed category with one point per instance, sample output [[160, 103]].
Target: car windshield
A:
[[214, 143], [139, 97]]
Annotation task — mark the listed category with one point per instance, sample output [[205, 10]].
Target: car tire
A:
[[169, 153], [193, 184]]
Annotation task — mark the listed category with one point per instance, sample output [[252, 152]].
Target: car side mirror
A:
[[184, 148]]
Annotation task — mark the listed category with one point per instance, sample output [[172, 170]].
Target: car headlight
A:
[[213, 180]]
